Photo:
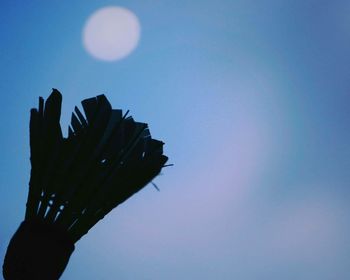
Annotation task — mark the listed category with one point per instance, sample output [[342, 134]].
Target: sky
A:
[[252, 101]]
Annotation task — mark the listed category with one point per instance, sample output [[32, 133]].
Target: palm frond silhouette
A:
[[75, 181]]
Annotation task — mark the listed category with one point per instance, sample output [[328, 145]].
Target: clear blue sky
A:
[[251, 98]]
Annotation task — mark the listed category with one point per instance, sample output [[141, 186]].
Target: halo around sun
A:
[[111, 33]]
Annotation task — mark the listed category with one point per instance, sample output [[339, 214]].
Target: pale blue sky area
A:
[[251, 98]]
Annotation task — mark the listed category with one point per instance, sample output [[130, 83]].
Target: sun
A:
[[111, 33]]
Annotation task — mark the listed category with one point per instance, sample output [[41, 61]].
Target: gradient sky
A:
[[251, 98]]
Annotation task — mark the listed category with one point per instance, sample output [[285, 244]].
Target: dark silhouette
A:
[[76, 181]]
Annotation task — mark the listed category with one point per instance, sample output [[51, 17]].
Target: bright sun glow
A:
[[111, 33]]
